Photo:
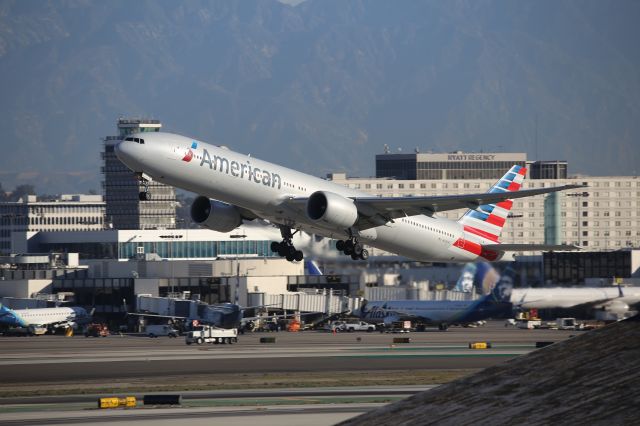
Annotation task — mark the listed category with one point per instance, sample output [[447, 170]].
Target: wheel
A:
[[151, 335], [199, 340], [290, 258], [443, 326], [275, 246], [299, 256], [340, 245], [357, 249], [282, 250], [365, 254], [355, 256], [144, 196], [188, 342]]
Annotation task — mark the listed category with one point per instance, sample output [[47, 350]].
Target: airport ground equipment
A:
[[116, 402], [96, 330], [209, 334], [161, 330], [480, 345], [162, 400], [566, 324]]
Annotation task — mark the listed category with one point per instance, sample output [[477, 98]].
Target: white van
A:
[[161, 330]]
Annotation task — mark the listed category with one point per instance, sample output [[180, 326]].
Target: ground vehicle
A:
[[96, 330], [209, 334], [358, 326], [566, 324], [161, 330], [335, 326]]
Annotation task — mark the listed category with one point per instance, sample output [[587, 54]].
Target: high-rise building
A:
[[124, 209]]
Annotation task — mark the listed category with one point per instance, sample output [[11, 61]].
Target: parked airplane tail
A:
[[502, 290], [488, 220], [312, 267]]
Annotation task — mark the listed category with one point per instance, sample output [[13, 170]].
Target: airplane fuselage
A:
[[261, 187], [43, 316]]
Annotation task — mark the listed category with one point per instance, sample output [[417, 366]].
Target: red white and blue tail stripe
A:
[[488, 220]]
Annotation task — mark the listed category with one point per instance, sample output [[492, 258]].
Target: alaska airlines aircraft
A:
[[44, 317], [617, 301], [440, 312], [234, 187]]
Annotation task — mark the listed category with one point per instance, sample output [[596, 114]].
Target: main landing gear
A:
[[353, 248], [144, 195], [285, 248]]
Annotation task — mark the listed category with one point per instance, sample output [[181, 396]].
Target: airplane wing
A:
[[531, 247], [376, 211]]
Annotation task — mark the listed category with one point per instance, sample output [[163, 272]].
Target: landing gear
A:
[[353, 248], [285, 248], [144, 195]]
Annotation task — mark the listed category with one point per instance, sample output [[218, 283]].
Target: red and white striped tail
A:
[[488, 220]]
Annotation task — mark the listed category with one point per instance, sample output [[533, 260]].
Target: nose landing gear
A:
[[285, 248], [353, 248], [144, 195]]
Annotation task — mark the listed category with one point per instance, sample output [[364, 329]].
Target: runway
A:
[[243, 380], [58, 359]]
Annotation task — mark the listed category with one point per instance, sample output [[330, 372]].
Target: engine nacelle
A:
[[333, 209], [215, 215]]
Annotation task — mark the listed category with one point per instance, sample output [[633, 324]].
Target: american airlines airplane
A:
[[51, 318], [234, 187]]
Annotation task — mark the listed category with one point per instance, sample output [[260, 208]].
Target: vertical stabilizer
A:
[[488, 220]]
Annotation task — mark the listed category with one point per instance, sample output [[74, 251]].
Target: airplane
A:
[[440, 312], [50, 318], [612, 300], [234, 187]]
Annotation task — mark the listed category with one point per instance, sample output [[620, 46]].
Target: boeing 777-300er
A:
[[50, 318], [234, 187]]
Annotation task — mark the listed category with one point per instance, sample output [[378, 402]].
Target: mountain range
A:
[[322, 85]]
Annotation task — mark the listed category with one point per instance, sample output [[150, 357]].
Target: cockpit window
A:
[[136, 140]]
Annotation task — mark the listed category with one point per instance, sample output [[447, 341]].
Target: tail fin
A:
[[465, 281], [312, 267], [488, 219], [502, 290]]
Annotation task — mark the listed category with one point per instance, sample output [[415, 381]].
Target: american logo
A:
[[189, 155]]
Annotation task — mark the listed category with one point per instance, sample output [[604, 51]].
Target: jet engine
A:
[[332, 209], [215, 215]]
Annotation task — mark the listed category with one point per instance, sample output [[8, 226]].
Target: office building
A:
[[605, 215], [65, 213], [456, 165], [124, 209]]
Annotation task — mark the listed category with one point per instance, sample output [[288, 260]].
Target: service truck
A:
[[210, 334], [155, 330]]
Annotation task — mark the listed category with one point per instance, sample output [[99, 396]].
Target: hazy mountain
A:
[[320, 86]]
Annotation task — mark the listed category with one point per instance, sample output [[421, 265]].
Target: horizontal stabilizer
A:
[[531, 247]]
